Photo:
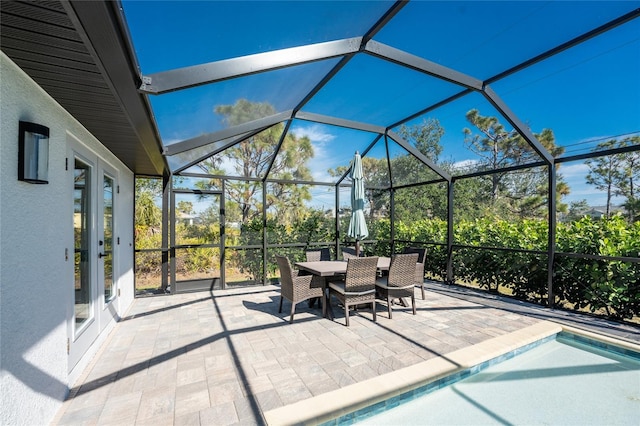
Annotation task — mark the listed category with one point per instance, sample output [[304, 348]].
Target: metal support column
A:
[[223, 235], [264, 232], [337, 221], [172, 237], [552, 234], [392, 222], [450, 278], [166, 190]]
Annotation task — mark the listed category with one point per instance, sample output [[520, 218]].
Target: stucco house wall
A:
[[36, 281]]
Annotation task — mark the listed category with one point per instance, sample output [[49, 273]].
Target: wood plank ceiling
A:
[[80, 54]]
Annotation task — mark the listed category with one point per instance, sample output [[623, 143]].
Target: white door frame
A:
[[101, 313], [108, 307], [80, 337]]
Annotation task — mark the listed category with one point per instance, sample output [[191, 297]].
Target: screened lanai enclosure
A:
[[504, 137]]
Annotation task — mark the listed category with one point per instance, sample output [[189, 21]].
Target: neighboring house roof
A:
[[612, 208], [185, 216], [594, 213], [80, 54]]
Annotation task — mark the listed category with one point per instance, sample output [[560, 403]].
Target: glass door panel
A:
[[82, 322], [107, 237], [83, 311]]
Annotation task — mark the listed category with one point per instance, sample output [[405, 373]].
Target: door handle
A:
[[101, 255]]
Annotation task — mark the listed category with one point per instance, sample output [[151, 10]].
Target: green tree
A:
[[630, 177], [185, 207], [470, 199], [425, 137], [425, 201], [148, 229], [147, 212], [577, 210], [524, 192], [496, 147], [413, 203], [607, 173], [253, 158], [633, 207], [376, 175]]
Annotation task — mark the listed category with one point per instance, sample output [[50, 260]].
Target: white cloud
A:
[[319, 172], [464, 165], [575, 170], [314, 132], [320, 140], [575, 176]]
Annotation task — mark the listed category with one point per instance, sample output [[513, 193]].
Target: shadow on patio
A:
[[229, 357]]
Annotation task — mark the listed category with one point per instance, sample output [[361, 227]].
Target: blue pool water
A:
[[566, 380]]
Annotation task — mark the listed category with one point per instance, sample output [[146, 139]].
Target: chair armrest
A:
[[302, 279]]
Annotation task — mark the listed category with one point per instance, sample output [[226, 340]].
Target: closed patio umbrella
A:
[[357, 225]]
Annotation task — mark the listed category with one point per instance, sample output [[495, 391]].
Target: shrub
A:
[[611, 287]]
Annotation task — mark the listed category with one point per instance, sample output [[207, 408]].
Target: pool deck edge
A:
[[330, 405], [601, 337]]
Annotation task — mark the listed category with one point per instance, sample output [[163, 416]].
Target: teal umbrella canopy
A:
[[357, 225]]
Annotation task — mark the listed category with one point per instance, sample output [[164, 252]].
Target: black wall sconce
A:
[[33, 153]]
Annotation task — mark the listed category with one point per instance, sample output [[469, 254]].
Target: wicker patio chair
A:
[[359, 285], [349, 253], [296, 287], [400, 282], [318, 255], [422, 256]]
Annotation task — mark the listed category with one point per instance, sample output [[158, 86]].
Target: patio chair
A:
[[318, 255], [349, 253], [296, 287], [359, 285], [422, 256], [400, 282]]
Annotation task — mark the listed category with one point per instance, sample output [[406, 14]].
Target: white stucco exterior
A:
[[36, 232]]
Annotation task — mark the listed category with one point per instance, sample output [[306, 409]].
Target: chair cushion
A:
[[384, 285], [337, 286]]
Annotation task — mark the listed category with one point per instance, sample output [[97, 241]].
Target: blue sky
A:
[[587, 93]]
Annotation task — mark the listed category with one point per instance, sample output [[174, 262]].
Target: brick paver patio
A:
[[228, 356]]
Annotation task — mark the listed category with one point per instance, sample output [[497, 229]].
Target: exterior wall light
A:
[[33, 153]]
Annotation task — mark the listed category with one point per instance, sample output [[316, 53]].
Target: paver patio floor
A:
[[226, 357]]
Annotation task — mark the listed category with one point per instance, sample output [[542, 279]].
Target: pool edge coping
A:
[[601, 337], [327, 406]]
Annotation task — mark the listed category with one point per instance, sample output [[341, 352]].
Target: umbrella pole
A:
[[357, 248]]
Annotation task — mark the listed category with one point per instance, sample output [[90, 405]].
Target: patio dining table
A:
[[329, 268], [332, 268]]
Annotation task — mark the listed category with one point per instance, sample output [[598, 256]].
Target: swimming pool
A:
[[358, 401], [564, 379]]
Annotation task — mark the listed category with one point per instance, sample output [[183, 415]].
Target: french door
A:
[[94, 300], [107, 242]]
